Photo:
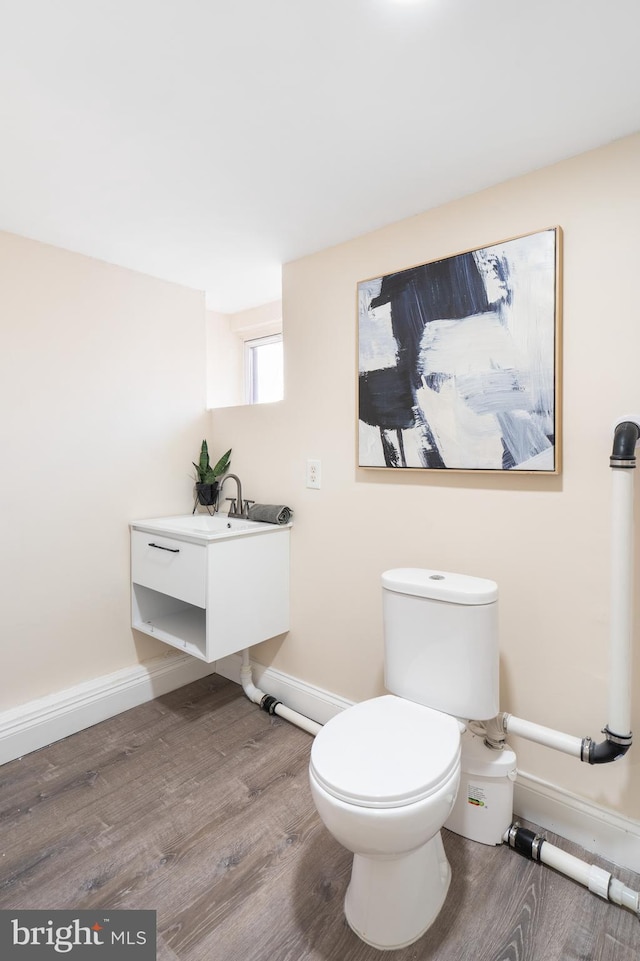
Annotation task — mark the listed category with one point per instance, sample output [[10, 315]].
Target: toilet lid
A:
[[385, 752]]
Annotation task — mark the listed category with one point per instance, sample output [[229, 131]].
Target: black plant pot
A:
[[207, 494]]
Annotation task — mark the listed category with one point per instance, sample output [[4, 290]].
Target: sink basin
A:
[[204, 526]]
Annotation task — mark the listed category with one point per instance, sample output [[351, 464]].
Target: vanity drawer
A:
[[170, 566]]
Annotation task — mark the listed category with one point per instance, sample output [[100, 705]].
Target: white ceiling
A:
[[208, 142]]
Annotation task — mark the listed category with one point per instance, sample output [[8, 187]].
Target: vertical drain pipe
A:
[[623, 463]]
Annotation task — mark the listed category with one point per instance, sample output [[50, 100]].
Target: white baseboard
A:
[[597, 829], [40, 722]]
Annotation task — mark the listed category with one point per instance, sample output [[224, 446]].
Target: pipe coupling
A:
[[624, 739], [585, 749], [612, 748], [269, 703], [525, 842]]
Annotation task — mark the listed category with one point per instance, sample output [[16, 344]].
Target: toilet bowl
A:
[[384, 777]]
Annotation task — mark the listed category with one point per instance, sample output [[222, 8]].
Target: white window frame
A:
[[249, 365]]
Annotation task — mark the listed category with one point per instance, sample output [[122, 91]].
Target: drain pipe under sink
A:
[[271, 704]]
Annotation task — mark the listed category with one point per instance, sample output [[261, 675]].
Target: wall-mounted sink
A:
[[203, 526], [210, 585]]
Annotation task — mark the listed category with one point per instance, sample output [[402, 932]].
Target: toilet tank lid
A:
[[440, 585]]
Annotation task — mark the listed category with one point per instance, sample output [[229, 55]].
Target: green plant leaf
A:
[[203, 466], [223, 465], [204, 456]]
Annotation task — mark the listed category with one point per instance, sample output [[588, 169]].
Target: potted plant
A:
[[207, 476]]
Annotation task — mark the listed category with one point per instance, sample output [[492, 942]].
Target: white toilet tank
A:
[[441, 641]]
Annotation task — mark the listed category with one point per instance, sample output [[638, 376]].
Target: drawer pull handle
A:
[[174, 550]]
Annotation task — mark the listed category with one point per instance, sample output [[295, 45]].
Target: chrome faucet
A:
[[238, 507]]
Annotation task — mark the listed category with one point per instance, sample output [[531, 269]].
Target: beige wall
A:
[[102, 386], [544, 540], [225, 362], [226, 336]]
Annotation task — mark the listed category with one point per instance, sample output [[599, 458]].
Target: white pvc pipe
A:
[[300, 720], [619, 717], [619, 893], [246, 679], [598, 880], [592, 877], [543, 735], [256, 695]]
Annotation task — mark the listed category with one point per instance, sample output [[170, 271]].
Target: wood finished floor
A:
[[197, 805]]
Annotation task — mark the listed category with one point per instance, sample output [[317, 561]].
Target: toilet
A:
[[384, 773]]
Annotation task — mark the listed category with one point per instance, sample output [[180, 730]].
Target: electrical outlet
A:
[[313, 474]]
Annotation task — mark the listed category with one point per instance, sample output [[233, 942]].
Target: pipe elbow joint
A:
[[625, 438], [611, 749]]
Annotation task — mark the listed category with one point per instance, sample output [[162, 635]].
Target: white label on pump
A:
[[476, 795]]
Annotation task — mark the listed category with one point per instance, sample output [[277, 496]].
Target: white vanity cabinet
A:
[[209, 592]]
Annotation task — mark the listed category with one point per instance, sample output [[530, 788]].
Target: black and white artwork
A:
[[458, 361]]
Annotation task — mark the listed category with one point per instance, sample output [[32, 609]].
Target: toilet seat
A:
[[385, 752]]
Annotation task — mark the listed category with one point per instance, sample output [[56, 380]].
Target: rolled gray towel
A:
[[270, 513]]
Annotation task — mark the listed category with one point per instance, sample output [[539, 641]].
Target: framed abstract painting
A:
[[459, 361]]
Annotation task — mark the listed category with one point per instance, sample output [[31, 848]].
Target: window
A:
[[263, 369]]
